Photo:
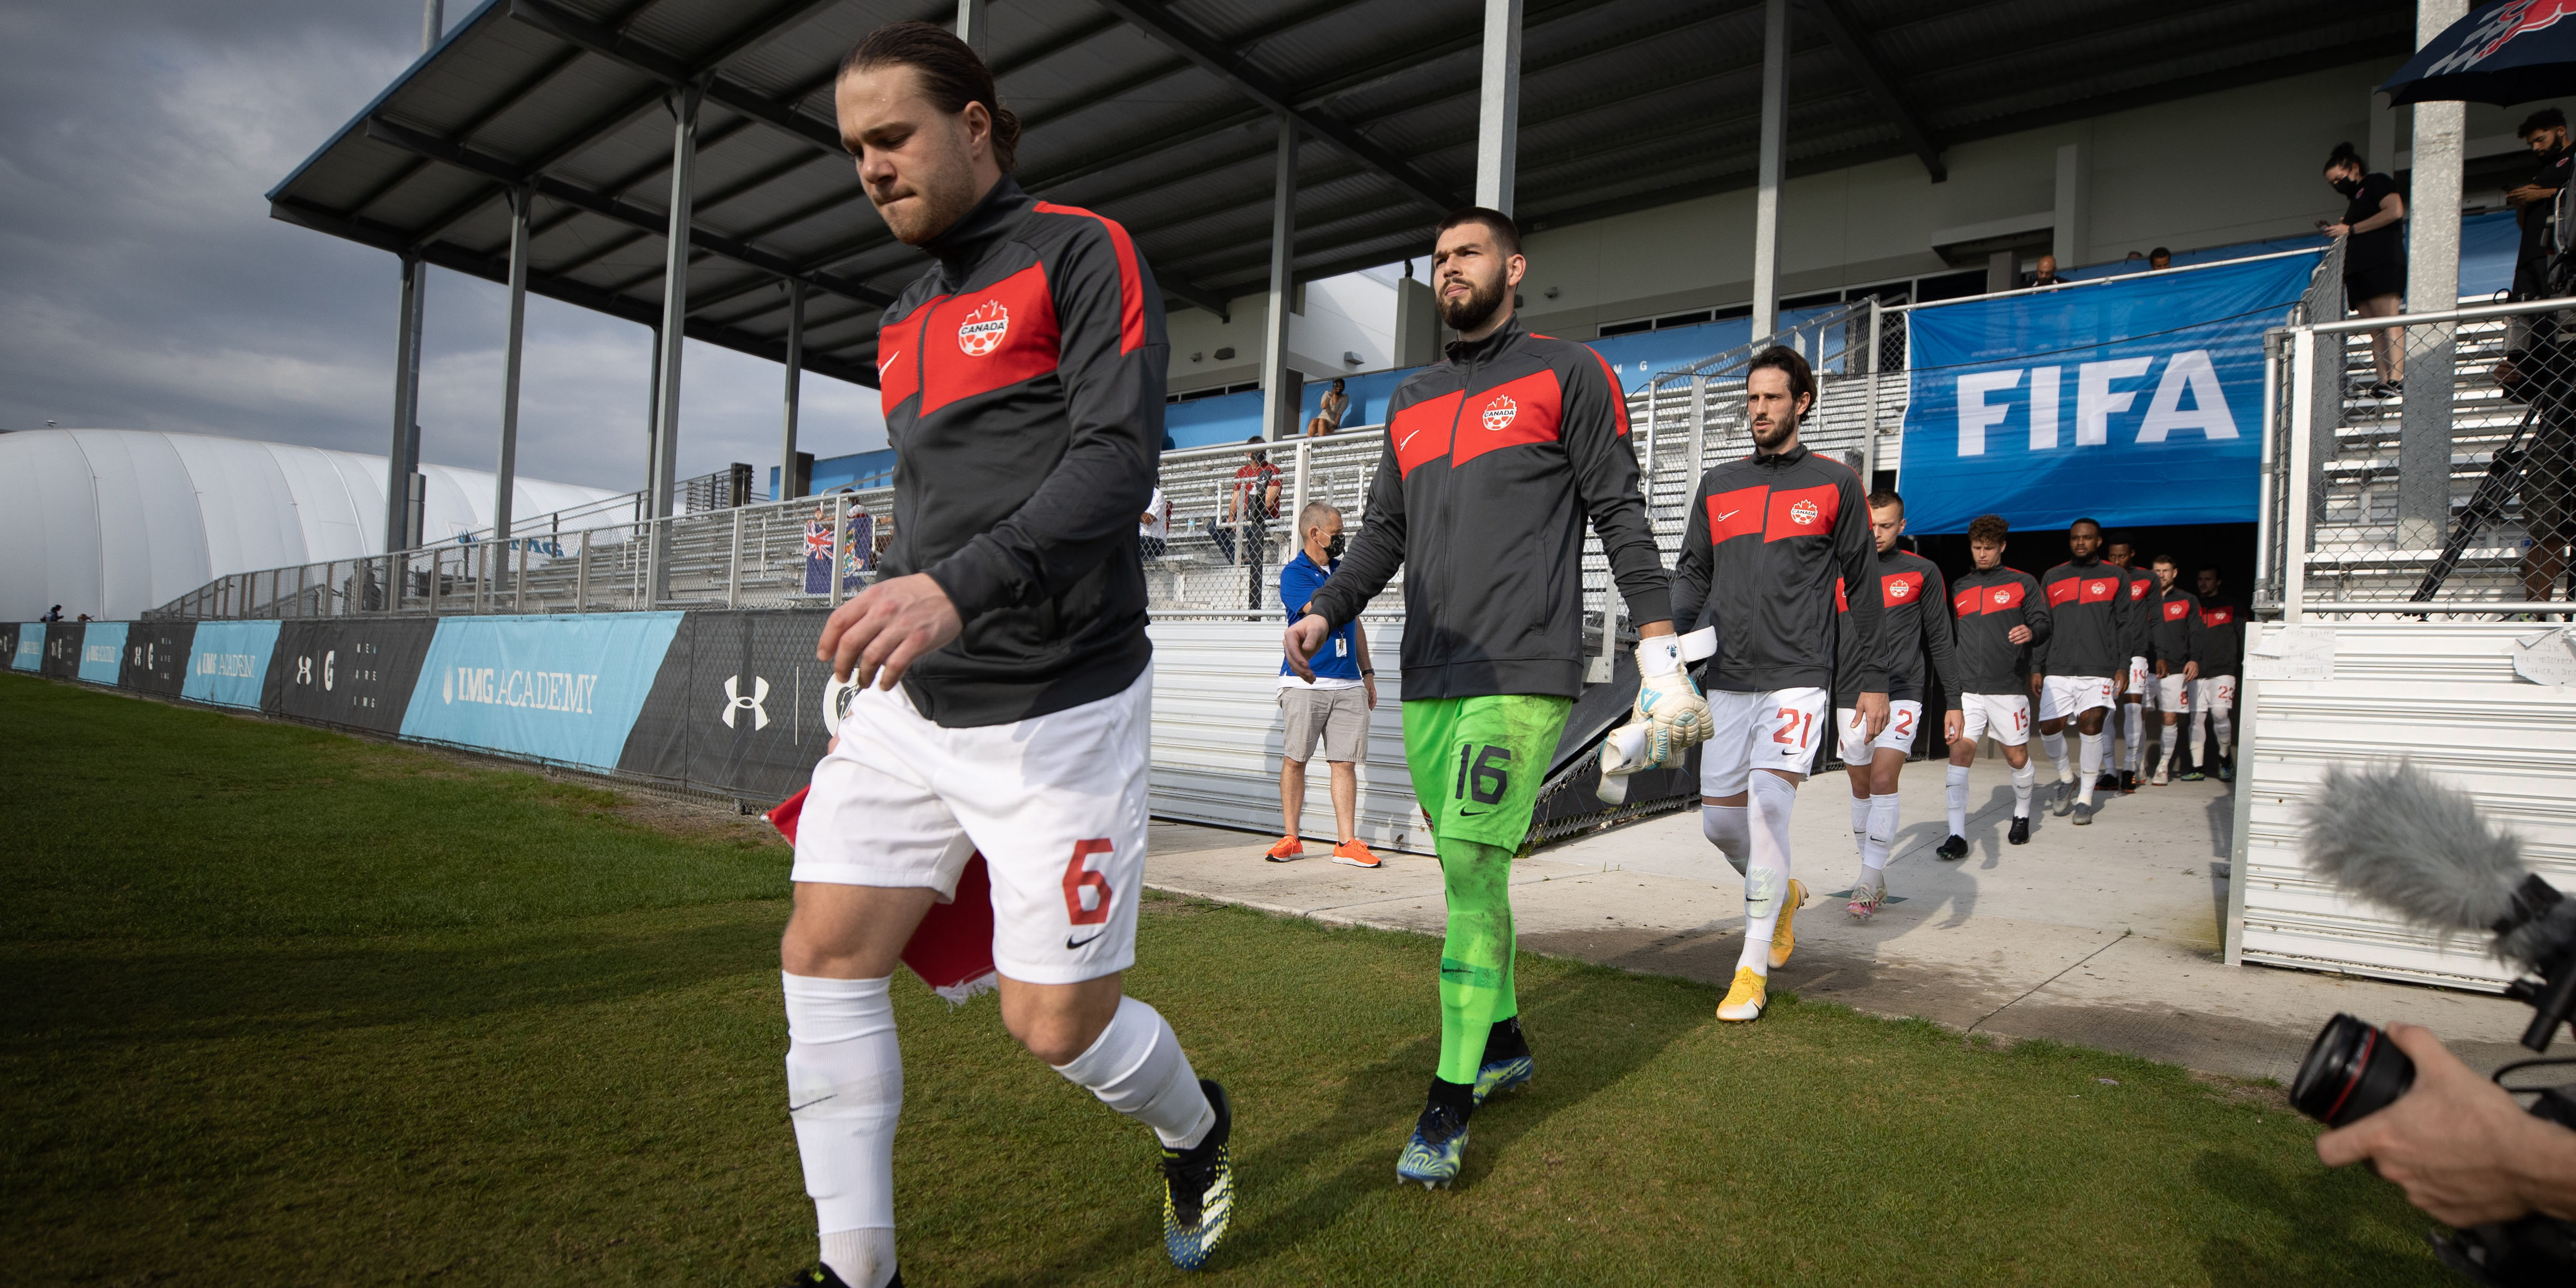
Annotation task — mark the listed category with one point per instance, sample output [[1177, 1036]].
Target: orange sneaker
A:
[[1289, 847], [1354, 853]]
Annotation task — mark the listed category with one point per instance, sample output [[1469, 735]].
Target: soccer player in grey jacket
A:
[[1769, 536], [2002, 617], [1916, 626]]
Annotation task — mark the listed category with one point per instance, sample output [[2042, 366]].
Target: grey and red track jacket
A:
[[2091, 619], [1768, 536], [2142, 583], [1988, 603], [1913, 622], [1022, 380], [2173, 628], [2222, 639], [1494, 460]]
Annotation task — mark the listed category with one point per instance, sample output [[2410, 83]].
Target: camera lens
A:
[[2351, 1071]]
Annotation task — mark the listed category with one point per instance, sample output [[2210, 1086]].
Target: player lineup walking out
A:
[[995, 725]]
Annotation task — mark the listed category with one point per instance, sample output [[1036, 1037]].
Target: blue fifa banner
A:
[[102, 656], [2137, 401], [563, 688], [30, 653], [228, 663]]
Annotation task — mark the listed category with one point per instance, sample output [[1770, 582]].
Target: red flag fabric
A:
[[952, 949]]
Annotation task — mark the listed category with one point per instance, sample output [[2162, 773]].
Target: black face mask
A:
[[1333, 548], [2348, 187]]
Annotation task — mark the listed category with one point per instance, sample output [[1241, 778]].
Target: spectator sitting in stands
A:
[[2046, 274], [2374, 258], [2159, 258], [1255, 499], [1329, 417], [54, 614]]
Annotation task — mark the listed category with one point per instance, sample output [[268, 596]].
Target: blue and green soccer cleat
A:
[[1438, 1147], [1198, 1189], [1507, 1063]]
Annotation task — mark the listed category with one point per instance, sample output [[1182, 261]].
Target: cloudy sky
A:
[[143, 285]]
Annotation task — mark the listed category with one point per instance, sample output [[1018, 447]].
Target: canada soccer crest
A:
[[1803, 513], [2097, 588], [2003, 597], [983, 329], [1899, 589], [1500, 413]]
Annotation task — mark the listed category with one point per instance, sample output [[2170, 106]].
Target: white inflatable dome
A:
[[110, 522]]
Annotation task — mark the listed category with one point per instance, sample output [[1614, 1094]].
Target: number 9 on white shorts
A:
[[2006, 714], [1903, 718]]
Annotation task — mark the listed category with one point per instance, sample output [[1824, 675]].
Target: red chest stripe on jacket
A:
[[1999, 598], [2086, 590], [1618, 392], [2138, 590], [1842, 602], [2216, 617], [1803, 512], [1421, 431], [1735, 514], [985, 340], [1511, 414], [2174, 611], [1131, 281], [899, 355], [2064, 592], [1899, 588]]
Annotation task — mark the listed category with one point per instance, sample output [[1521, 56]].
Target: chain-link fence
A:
[[2438, 454]]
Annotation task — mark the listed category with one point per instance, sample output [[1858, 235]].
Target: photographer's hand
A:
[[2461, 1148]]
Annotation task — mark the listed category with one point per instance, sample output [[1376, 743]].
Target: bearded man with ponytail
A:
[[1003, 701]]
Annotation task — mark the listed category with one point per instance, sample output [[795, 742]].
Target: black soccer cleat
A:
[[2227, 771], [2020, 833], [1954, 848], [2128, 782], [2106, 781], [819, 1275], [1198, 1188]]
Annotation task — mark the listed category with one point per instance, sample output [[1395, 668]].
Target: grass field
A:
[[285, 1007]]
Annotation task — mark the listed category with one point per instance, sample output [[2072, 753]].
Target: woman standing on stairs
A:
[[2374, 258]]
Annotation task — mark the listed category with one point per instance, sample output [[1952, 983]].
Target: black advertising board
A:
[[156, 657], [355, 672], [737, 706], [62, 651], [8, 644]]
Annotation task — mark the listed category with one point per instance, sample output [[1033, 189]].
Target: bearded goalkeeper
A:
[[1495, 458]]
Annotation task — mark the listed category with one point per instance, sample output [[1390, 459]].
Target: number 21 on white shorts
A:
[[1778, 730]]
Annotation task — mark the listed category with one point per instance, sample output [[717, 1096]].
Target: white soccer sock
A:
[[1954, 785], [1860, 827], [2055, 745], [2089, 763], [844, 1095], [1882, 832], [1136, 1067], [2133, 722], [1766, 879], [2199, 738], [1725, 828], [2022, 780], [2226, 729], [2171, 735]]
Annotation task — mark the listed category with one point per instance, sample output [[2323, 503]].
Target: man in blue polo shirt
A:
[[1334, 707]]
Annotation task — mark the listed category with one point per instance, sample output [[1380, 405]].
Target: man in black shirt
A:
[[2222, 652], [2173, 633], [2001, 616], [2535, 202]]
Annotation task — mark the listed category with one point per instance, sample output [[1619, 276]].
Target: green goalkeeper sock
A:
[[1476, 958]]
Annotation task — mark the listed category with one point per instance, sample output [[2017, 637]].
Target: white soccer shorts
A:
[[1778, 730], [1903, 718], [2061, 696], [2172, 693], [2006, 714], [1055, 803], [2213, 692], [2137, 678]]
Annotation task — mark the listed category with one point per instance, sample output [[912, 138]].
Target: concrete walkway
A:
[[2108, 935]]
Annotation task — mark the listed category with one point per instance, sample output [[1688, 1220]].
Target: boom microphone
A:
[[2399, 839]]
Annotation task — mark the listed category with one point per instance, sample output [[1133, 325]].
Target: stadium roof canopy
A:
[[1162, 114]]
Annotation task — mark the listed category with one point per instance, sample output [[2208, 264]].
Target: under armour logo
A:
[[735, 701]]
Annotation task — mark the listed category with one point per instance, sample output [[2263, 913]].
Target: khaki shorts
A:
[[1338, 718]]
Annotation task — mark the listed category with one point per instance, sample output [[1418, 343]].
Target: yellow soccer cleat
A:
[[1744, 1000], [1782, 937]]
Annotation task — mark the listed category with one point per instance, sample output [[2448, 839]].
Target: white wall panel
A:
[[1218, 732], [2445, 696]]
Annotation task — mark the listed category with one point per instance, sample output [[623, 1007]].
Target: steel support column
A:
[[1498, 106], [675, 319], [2432, 285], [506, 476], [1278, 402], [1766, 193], [402, 459], [972, 28], [795, 386]]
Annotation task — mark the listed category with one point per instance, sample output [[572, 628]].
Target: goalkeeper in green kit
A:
[[1495, 459]]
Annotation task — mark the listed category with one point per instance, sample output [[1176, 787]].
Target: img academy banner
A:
[[564, 688], [2135, 401]]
